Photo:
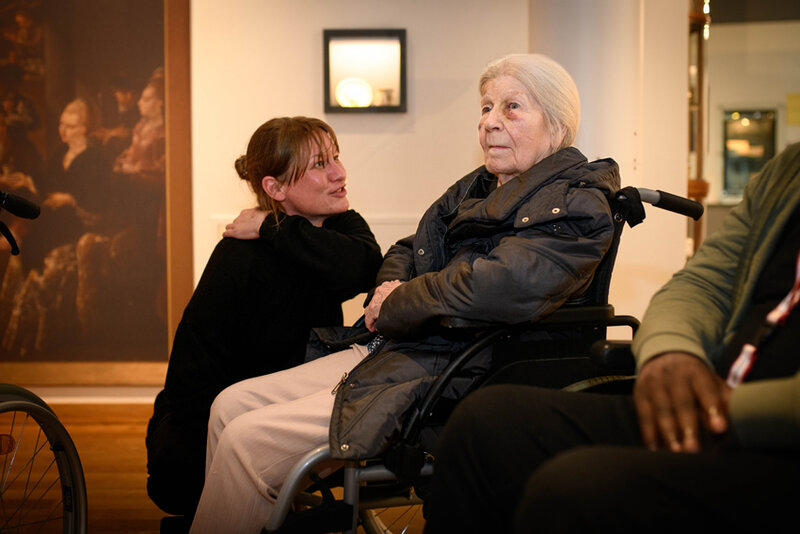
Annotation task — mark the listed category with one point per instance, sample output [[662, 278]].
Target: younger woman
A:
[[257, 300]]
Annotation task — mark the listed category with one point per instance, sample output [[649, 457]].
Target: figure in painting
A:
[[93, 263], [122, 294], [25, 44], [73, 193], [19, 118], [120, 118], [90, 281]]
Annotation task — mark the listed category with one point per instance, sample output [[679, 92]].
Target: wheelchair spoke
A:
[[40, 501], [9, 464], [30, 482], [386, 524], [408, 515]]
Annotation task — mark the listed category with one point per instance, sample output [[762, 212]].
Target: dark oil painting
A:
[[82, 134]]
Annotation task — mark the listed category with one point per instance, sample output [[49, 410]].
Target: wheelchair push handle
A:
[[670, 202], [20, 207]]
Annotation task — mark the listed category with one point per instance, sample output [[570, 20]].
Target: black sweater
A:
[[257, 300]]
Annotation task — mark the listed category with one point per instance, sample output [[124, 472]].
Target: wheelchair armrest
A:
[[572, 315], [564, 316]]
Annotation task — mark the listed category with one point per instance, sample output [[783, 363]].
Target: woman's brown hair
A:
[[281, 148]]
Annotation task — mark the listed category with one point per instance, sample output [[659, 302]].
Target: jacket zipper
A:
[[341, 382], [347, 374]]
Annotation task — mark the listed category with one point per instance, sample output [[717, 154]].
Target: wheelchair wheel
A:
[[42, 488], [379, 521]]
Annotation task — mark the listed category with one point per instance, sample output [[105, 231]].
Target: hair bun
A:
[[241, 166]]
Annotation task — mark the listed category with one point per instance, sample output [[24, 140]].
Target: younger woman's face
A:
[[321, 191]]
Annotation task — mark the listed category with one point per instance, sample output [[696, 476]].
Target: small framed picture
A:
[[749, 136], [365, 70]]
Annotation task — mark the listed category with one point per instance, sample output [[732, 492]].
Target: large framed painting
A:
[[94, 128]]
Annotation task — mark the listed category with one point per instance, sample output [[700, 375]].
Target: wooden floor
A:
[[110, 442]]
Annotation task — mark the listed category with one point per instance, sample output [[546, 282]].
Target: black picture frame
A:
[[369, 67], [749, 137]]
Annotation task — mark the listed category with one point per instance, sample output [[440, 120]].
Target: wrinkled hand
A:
[[373, 309], [246, 225], [674, 394]]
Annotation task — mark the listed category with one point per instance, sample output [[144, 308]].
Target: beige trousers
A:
[[258, 429]]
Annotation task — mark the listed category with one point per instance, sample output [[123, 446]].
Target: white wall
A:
[[629, 60], [256, 59], [751, 66]]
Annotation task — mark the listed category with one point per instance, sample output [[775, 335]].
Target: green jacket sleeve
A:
[[690, 313]]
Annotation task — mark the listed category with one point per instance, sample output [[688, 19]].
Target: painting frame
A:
[[179, 269]]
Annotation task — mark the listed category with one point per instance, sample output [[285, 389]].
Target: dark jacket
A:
[[257, 300], [250, 315], [508, 254]]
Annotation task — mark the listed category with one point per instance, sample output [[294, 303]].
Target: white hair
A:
[[549, 85]]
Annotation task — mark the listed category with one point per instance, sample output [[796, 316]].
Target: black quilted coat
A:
[[509, 254]]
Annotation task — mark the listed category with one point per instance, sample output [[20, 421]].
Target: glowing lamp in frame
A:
[[354, 93]]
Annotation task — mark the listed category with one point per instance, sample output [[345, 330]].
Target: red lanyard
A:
[[775, 318]]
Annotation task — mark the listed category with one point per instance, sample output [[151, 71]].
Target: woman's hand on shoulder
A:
[[246, 225]]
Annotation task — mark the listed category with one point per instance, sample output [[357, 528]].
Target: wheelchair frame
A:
[[591, 311]]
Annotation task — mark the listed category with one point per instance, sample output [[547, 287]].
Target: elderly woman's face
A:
[[512, 129]]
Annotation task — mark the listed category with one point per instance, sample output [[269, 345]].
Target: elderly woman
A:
[[511, 241]]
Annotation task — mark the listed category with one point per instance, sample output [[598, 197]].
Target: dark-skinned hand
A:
[[677, 396]]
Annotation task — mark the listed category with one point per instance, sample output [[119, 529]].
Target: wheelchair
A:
[[587, 362], [42, 487]]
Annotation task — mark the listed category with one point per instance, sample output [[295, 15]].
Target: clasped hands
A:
[[372, 311], [677, 396]]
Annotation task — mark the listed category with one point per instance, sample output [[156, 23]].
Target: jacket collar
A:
[[503, 201]]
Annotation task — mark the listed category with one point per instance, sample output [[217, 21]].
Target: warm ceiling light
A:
[[354, 93]]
